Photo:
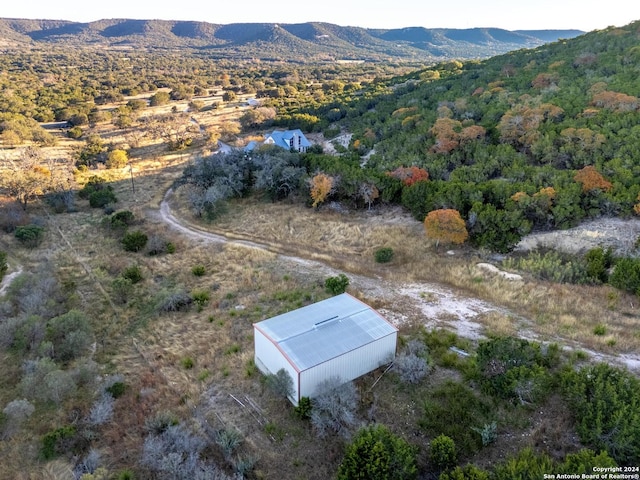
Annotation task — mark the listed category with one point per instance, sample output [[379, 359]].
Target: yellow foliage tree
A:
[[445, 225], [321, 187]]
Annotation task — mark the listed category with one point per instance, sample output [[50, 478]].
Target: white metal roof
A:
[[324, 330]]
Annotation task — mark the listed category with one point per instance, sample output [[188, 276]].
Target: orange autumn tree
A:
[[410, 175], [445, 225], [321, 187], [591, 180]]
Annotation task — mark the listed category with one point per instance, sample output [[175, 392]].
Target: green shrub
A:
[[442, 452], [514, 368], [600, 330], [29, 235], [134, 241], [303, 410], [171, 247], [599, 261], [199, 270], [102, 198], [626, 275], [56, 442], [70, 334], [187, 363], [200, 297], [122, 219], [552, 266], [384, 255], [377, 454], [453, 409], [133, 273], [468, 472], [4, 266], [74, 132], [121, 289], [606, 403], [117, 389], [526, 465], [337, 285]]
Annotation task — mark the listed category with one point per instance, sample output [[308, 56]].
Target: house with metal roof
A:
[[337, 337], [287, 139]]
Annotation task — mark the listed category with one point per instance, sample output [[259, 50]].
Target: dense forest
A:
[[530, 140], [127, 349]]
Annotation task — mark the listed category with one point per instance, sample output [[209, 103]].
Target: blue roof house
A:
[[338, 337]]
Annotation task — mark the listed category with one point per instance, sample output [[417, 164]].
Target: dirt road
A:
[[433, 305]]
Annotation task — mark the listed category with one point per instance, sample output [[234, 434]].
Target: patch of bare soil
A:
[[619, 234]]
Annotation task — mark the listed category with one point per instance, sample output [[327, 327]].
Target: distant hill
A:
[[298, 42]]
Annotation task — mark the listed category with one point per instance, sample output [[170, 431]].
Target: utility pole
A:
[[133, 186]]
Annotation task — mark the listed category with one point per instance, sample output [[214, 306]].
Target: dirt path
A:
[[433, 305], [6, 281]]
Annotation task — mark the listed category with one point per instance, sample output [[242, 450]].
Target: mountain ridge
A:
[[289, 40]]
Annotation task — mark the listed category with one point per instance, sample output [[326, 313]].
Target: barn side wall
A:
[[350, 365], [269, 359]]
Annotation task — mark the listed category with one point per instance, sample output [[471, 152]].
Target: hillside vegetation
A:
[[532, 140], [135, 256], [299, 43]]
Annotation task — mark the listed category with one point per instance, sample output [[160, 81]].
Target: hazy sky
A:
[[584, 15]]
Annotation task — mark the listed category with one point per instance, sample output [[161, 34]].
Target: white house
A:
[[338, 337], [287, 139]]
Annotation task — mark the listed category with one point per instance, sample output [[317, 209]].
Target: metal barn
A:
[[338, 337]]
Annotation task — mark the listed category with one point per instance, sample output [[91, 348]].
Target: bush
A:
[[200, 297], [174, 301], [334, 407], [117, 159], [102, 410], [468, 472], [117, 389], [605, 401], [102, 198], [56, 442], [442, 452], [514, 368], [133, 273], [29, 235], [4, 266], [199, 270], [626, 275], [121, 289], [452, 410], [122, 219], [553, 266], [187, 363], [134, 241], [158, 245], [384, 255], [74, 132], [303, 410], [228, 440], [377, 454], [70, 335], [280, 383], [337, 285]]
